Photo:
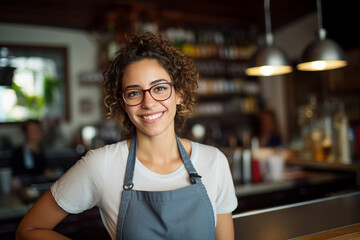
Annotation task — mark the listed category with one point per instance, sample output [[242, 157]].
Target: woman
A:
[[150, 87]]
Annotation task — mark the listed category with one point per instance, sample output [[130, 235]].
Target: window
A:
[[33, 83]]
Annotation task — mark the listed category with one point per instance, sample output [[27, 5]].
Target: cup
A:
[[276, 167], [5, 180]]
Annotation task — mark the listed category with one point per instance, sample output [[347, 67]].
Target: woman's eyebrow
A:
[[158, 81], [152, 83], [132, 86]]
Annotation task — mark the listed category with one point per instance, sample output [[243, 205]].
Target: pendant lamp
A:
[[322, 54], [269, 60]]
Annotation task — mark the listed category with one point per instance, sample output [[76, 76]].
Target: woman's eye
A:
[[160, 88], [133, 94]]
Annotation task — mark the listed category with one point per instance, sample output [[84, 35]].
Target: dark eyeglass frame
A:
[[171, 84]]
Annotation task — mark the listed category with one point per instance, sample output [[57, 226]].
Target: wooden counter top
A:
[[343, 233]]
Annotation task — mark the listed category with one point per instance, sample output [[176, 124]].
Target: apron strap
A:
[[130, 165], [193, 175]]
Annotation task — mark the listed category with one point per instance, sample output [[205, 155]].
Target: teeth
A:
[[152, 117]]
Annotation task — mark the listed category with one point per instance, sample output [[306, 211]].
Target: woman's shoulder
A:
[[204, 148], [114, 147], [107, 152], [209, 154]]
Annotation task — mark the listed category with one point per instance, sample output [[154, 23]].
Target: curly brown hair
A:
[[179, 66]]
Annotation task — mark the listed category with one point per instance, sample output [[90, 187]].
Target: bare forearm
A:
[[41, 219], [225, 227]]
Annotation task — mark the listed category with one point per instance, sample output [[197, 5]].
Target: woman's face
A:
[[150, 117]]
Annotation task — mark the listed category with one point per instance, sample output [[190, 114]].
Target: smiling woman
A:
[[38, 83], [153, 178]]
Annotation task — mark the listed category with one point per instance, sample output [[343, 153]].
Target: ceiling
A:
[[91, 15]]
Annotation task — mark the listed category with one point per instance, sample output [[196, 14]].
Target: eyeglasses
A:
[[159, 92]]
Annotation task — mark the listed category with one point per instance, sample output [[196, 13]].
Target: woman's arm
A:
[[224, 229], [38, 223]]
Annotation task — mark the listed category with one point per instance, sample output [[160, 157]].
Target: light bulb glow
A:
[[267, 70], [88, 133], [321, 65], [318, 65]]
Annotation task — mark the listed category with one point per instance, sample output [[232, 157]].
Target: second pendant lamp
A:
[[322, 54], [269, 60]]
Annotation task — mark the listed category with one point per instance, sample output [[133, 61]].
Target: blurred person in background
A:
[[28, 159], [268, 131]]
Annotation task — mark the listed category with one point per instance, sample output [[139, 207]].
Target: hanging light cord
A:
[[319, 13], [267, 16]]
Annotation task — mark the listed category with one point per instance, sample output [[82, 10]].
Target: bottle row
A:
[[229, 44], [218, 51], [249, 167], [247, 105], [325, 132], [219, 86], [219, 68]]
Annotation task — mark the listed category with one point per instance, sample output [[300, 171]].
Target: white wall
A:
[[295, 36], [292, 38], [82, 56]]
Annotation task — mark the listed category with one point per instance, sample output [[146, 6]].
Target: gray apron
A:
[[184, 213]]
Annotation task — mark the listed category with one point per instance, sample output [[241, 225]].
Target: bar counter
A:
[[336, 216], [256, 196], [16, 204]]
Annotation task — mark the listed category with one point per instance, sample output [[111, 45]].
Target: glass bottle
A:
[[310, 131], [327, 141], [341, 126], [317, 136]]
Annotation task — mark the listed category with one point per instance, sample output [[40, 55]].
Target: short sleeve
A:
[[226, 200], [80, 188]]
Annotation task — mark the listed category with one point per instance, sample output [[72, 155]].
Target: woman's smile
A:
[[153, 117]]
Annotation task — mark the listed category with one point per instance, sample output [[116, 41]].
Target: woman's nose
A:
[[148, 101]]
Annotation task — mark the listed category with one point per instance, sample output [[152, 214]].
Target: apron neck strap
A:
[[194, 176], [130, 165]]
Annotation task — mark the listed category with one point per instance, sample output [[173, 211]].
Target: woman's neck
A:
[[160, 154], [162, 148]]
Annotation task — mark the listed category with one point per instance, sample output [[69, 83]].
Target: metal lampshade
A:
[[268, 60], [322, 54]]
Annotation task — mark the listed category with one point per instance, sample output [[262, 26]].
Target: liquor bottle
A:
[[246, 166], [327, 144], [255, 163], [236, 166], [246, 158], [341, 126], [307, 115]]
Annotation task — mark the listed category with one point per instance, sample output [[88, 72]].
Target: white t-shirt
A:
[[97, 180]]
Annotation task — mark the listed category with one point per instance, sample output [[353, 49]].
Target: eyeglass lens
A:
[[159, 92]]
